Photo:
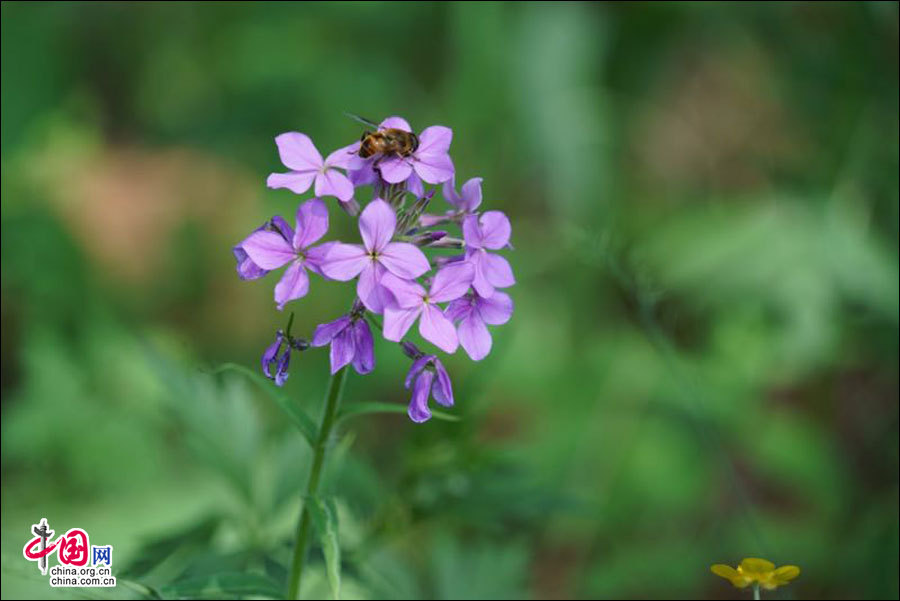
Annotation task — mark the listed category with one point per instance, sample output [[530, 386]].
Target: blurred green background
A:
[[702, 364]]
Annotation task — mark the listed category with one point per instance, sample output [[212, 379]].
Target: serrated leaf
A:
[[297, 416], [356, 409], [324, 518]]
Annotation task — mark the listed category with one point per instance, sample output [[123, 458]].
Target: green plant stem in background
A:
[[335, 388]]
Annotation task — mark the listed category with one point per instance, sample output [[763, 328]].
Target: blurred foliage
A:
[[702, 365]]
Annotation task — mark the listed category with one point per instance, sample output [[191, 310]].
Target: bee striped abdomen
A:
[[388, 142]]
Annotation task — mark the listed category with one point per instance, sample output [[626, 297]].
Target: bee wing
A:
[[362, 120]]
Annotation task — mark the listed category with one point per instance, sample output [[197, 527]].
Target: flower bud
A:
[[447, 242], [428, 238], [351, 207], [410, 350]]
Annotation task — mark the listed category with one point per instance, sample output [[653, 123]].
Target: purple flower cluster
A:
[[452, 297]]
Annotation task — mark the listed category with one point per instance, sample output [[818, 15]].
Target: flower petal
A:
[[342, 350], [474, 337], [437, 329], [434, 140], [495, 229], [346, 157], [418, 406], [270, 354], [281, 372], [497, 270], [442, 391], [364, 175], [755, 565], [459, 309], [450, 194], [297, 152], [417, 366], [394, 169], [471, 195], [370, 290], [407, 294], [395, 122], [293, 284], [404, 260], [364, 356], [730, 574], [472, 232], [495, 310], [480, 282], [334, 183], [312, 222], [315, 256], [297, 182], [279, 225], [415, 186], [785, 574], [434, 168], [377, 224], [246, 268], [268, 249], [398, 321], [325, 332], [344, 261], [451, 282]]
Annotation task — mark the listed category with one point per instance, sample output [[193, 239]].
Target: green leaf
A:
[[297, 416], [355, 409], [224, 586], [153, 553], [324, 518]]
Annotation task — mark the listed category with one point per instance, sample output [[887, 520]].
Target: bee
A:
[[390, 141]]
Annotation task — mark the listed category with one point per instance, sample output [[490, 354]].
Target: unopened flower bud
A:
[[410, 350], [442, 261], [428, 238], [447, 242], [351, 207]]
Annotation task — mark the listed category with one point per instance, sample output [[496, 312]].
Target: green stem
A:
[[335, 387], [756, 592]]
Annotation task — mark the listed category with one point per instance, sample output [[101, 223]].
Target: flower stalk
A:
[[332, 402]]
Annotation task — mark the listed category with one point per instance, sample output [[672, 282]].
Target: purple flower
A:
[[299, 154], [430, 161], [464, 203], [270, 250], [474, 313], [411, 302], [470, 197], [377, 256], [351, 340], [246, 268], [427, 377], [273, 356], [490, 231]]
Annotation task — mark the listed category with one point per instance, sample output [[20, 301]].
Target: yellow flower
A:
[[758, 572]]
